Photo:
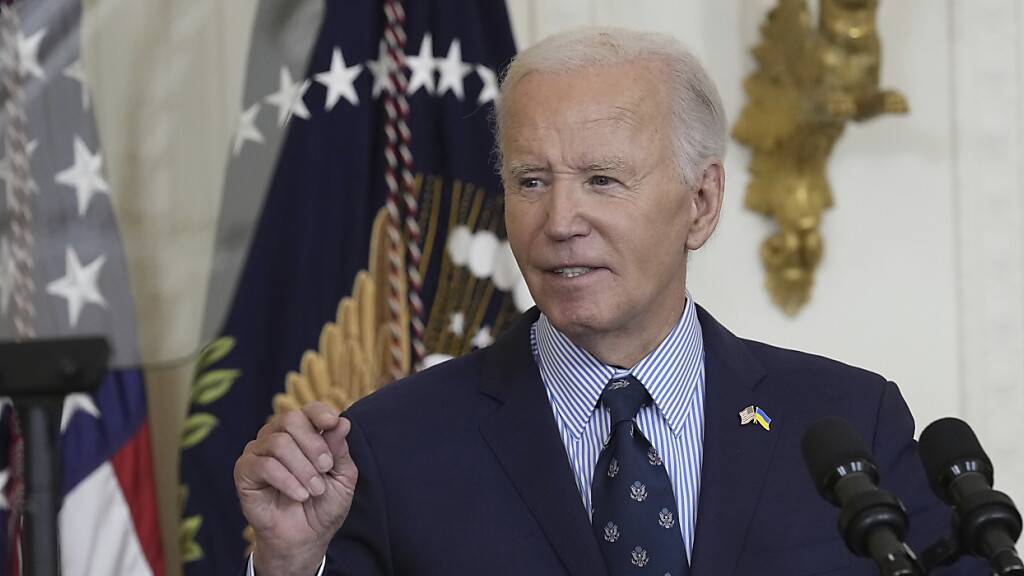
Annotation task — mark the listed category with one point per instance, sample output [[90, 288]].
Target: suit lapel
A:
[[736, 457], [523, 436]]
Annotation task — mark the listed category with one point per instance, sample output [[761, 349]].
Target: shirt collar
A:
[[575, 379]]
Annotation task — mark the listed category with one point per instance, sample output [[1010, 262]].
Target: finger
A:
[[255, 472], [321, 415], [298, 424], [283, 447], [274, 425], [309, 439], [337, 440]]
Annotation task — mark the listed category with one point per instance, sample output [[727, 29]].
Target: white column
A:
[[988, 62]]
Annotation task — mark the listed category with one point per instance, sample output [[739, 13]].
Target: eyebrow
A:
[[613, 164], [517, 170]]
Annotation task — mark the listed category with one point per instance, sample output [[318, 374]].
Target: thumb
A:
[[337, 442]]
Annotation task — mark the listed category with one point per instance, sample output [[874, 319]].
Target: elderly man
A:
[[601, 434]]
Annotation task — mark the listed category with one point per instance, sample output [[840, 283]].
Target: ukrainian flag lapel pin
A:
[[754, 413]]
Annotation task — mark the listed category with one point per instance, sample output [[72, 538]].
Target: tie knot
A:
[[624, 396]]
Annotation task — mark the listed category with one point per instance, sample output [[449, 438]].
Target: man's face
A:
[[597, 214]]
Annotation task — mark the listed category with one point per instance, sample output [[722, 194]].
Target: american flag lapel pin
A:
[[754, 413]]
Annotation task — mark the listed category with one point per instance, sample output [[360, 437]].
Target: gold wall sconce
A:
[[810, 81]]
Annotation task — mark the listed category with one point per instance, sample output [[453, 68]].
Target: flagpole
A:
[[39, 418]]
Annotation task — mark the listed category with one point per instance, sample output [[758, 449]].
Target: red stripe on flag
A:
[[133, 464]]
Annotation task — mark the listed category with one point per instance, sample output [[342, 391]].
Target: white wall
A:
[[923, 275]]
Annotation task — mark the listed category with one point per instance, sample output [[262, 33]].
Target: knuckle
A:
[[316, 412], [315, 406], [292, 419], [279, 443], [317, 445]]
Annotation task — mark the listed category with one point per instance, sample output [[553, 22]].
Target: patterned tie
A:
[[634, 514]]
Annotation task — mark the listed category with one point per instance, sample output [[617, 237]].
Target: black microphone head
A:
[[947, 443], [827, 445]]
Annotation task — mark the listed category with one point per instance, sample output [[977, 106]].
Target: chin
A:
[[574, 318]]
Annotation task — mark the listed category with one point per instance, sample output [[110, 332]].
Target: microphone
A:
[[960, 473], [872, 522]]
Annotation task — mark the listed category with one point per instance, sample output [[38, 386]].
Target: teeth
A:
[[572, 272]]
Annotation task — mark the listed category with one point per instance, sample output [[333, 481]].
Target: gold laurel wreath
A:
[[351, 357]]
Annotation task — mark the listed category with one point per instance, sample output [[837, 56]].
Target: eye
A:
[[602, 181], [529, 183]]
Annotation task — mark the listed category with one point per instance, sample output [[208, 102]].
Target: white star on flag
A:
[[422, 67], [339, 80], [489, 92], [78, 401], [7, 174], [84, 176], [7, 273], [453, 70], [76, 71], [456, 324], [5, 475], [79, 284], [381, 70], [28, 51], [289, 98], [247, 131], [483, 338]]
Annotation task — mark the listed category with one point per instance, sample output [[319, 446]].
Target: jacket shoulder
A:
[[784, 361], [815, 381]]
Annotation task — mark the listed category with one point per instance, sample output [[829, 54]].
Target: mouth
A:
[[572, 271]]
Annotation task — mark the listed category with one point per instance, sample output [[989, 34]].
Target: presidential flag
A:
[[376, 246], [62, 273]]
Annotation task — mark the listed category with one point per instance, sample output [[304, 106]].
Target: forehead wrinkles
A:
[[597, 144], [601, 116]]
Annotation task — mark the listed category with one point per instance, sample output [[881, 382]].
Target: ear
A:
[[706, 205]]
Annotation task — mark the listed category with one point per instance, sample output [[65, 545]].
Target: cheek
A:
[[672, 222], [518, 228], [658, 247]]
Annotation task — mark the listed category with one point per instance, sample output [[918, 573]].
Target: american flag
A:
[[747, 415], [62, 273]]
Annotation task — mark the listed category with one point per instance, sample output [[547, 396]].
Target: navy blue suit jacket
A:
[[462, 470]]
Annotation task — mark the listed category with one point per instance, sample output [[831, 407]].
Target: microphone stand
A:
[[37, 375], [872, 524], [948, 550]]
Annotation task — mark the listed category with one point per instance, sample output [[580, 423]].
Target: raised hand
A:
[[295, 482]]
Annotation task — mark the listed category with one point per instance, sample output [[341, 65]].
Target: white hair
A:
[[699, 131]]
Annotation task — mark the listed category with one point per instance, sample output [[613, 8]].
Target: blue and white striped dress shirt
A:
[[673, 374]]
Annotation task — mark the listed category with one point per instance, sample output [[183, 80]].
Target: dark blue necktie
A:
[[634, 509]]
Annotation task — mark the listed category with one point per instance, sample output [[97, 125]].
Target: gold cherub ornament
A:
[[809, 83]]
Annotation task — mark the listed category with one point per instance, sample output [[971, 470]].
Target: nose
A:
[[565, 214]]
